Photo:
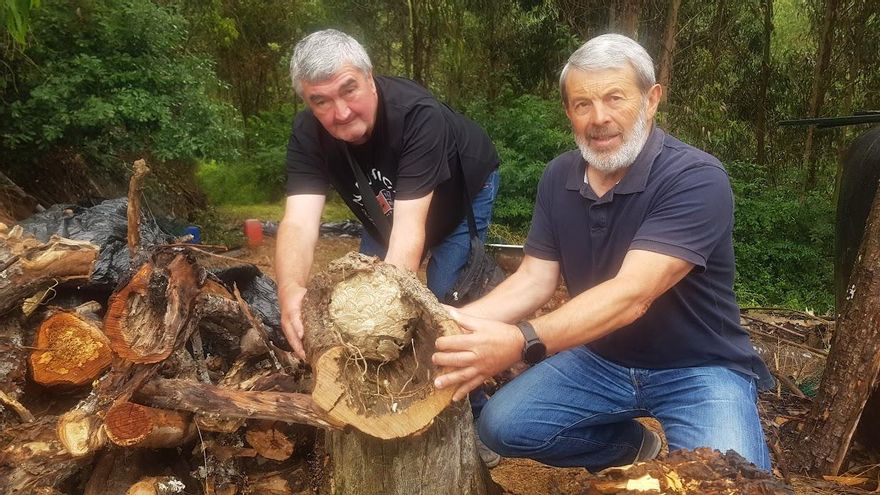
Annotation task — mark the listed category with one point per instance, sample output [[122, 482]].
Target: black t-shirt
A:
[[415, 148], [674, 200]]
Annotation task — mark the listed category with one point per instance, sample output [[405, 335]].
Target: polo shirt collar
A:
[[636, 177]]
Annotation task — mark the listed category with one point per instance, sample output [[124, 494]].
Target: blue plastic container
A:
[[196, 232]]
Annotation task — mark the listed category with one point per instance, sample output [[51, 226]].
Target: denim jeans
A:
[[577, 409], [450, 255]]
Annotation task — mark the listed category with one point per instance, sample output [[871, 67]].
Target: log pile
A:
[[173, 382], [168, 384]]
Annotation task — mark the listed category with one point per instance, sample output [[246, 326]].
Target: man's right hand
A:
[[291, 318]]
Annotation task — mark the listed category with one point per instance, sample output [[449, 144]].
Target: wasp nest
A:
[[370, 313]]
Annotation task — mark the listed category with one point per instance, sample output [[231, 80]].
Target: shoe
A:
[[489, 457], [650, 446]]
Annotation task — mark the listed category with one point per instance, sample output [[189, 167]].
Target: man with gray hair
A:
[[639, 224], [408, 167]]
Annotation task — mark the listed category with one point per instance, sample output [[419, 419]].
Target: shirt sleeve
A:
[[304, 158], [541, 241], [691, 216], [424, 163]]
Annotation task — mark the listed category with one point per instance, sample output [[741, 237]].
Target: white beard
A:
[[625, 155]]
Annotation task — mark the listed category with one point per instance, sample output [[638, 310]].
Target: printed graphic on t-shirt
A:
[[385, 197]]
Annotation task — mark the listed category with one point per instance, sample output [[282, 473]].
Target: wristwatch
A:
[[533, 350]]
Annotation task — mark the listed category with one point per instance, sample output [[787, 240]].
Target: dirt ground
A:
[[526, 477]]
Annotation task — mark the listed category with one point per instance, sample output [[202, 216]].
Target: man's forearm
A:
[[405, 249], [294, 251], [515, 298]]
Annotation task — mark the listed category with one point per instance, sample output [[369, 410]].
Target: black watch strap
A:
[[533, 350]]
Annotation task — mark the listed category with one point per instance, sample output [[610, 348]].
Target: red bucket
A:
[[253, 231]]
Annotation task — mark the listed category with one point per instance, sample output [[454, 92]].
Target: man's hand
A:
[[485, 349], [291, 318]]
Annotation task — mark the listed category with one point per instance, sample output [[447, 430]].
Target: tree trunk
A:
[[668, 47], [442, 460], [625, 21], [817, 94], [763, 86], [373, 371], [852, 366]]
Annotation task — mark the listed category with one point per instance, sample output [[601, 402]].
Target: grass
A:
[[335, 210]]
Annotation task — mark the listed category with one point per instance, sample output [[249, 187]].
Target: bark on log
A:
[[390, 399], [135, 187], [852, 366], [32, 457], [134, 425], [71, 350], [26, 265], [442, 460], [203, 398]]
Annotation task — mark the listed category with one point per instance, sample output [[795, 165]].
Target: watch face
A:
[[534, 352]]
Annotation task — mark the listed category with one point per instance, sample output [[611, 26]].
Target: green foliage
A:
[[15, 15], [112, 78], [528, 132], [784, 244]]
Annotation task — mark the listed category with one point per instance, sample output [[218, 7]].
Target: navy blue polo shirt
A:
[[674, 200]]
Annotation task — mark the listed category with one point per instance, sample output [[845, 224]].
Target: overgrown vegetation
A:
[[190, 82]]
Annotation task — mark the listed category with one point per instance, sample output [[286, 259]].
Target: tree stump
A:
[[370, 332]]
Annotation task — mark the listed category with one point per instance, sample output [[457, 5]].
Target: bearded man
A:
[[639, 225]]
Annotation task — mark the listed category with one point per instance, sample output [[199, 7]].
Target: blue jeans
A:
[[450, 255], [577, 409]]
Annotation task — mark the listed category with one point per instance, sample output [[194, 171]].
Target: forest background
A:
[[201, 88]]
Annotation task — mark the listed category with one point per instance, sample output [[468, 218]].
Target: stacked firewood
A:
[[166, 384]]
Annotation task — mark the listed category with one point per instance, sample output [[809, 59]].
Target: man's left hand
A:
[[486, 348]]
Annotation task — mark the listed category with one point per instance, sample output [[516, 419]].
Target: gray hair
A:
[[321, 54], [611, 51]]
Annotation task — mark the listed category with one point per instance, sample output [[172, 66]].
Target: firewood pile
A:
[[167, 383], [133, 365]]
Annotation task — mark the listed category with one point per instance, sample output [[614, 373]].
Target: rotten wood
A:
[[392, 399], [376, 374]]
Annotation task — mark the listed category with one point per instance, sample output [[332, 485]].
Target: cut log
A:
[[145, 317], [133, 425], [370, 332], [270, 440], [71, 350], [27, 265], [387, 390], [202, 398], [13, 368], [32, 457], [81, 430]]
